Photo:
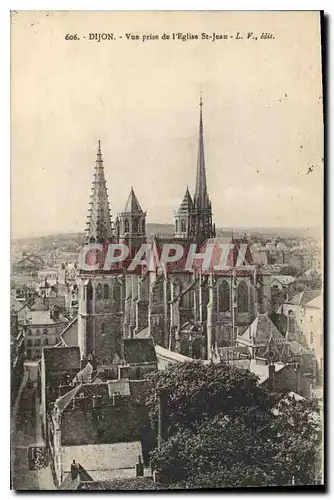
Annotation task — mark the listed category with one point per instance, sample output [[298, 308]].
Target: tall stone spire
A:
[[202, 206], [201, 195], [99, 226]]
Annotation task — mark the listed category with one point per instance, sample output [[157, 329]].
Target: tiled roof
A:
[[61, 358], [261, 331], [139, 351], [16, 304]]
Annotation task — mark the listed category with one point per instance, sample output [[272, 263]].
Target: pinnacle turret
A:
[[99, 226]]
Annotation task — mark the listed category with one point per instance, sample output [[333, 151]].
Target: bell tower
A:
[[131, 222], [100, 292]]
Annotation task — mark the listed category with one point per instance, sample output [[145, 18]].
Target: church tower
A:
[[131, 222], [204, 228], [101, 293], [184, 222], [99, 227], [193, 220]]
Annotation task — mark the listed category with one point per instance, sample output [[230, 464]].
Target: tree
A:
[[226, 431]]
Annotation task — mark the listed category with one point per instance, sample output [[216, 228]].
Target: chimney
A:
[[139, 467], [74, 470], [271, 379]]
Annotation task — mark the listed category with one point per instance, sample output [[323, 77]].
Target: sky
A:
[[262, 114]]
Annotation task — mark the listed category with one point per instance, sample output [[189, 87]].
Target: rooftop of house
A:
[[282, 279], [61, 358], [259, 369], [261, 332], [100, 459], [74, 480], [38, 318], [69, 335]]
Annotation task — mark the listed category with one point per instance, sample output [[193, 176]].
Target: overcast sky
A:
[[262, 116]]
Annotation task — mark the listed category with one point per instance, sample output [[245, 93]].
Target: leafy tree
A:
[[226, 431]]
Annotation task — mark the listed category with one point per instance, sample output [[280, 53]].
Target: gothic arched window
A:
[[242, 297], [176, 226], [143, 226], [291, 321], [99, 291], [135, 225], [89, 291], [183, 226], [126, 226], [224, 297], [106, 291], [117, 296]]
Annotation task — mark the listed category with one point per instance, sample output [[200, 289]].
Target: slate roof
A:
[[139, 351], [61, 358]]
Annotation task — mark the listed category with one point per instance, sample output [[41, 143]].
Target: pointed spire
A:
[[132, 204], [201, 196], [187, 203], [99, 226]]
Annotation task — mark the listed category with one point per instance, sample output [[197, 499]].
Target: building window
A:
[[176, 226], [183, 226], [30, 331], [135, 225], [242, 297], [29, 353], [126, 226], [89, 292], [38, 342], [38, 331], [29, 342], [102, 328], [46, 342], [143, 226], [224, 297], [99, 291], [45, 331], [311, 319], [117, 297], [106, 291], [291, 322], [311, 338]]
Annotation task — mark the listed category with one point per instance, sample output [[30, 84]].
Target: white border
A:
[[5, 7]]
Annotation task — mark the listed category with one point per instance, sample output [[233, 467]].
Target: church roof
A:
[[99, 220], [187, 204], [132, 204]]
